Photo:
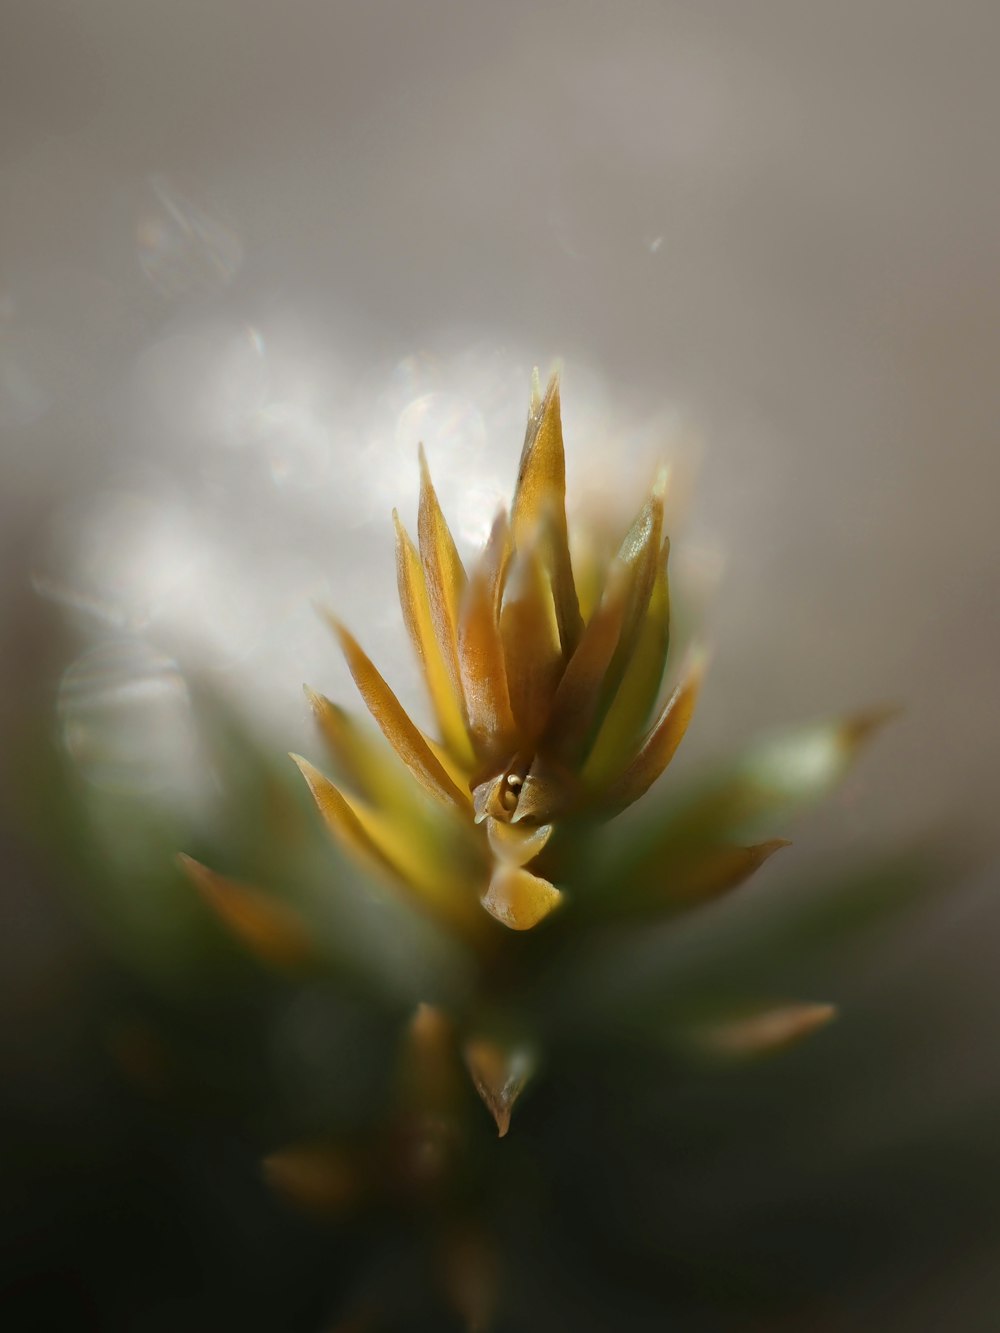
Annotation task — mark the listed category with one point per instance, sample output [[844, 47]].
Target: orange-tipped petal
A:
[[401, 732], [443, 571], [762, 1032], [531, 642], [413, 598], [499, 1075], [661, 742], [268, 927], [484, 673], [540, 496], [318, 1177], [518, 899]]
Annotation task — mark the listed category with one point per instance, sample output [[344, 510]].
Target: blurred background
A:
[[250, 255]]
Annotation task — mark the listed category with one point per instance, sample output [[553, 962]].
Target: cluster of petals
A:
[[543, 682]]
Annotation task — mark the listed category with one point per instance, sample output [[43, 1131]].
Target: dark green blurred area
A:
[[149, 1065]]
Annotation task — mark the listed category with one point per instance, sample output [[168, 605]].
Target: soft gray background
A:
[[251, 252]]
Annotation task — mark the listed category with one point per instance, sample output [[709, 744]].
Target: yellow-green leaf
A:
[[660, 744], [640, 684]]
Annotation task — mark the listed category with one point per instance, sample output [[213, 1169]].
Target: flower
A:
[[541, 695]]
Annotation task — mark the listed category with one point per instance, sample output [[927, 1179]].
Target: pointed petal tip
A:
[[499, 1075], [857, 729], [536, 392], [773, 845], [308, 771], [699, 659], [766, 1031], [425, 472]]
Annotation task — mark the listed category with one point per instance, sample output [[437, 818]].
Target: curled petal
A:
[[518, 899], [517, 844]]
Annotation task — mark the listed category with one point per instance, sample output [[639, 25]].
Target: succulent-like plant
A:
[[545, 682]]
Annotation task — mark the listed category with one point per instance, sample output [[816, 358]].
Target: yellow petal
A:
[[443, 572], [270, 928], [660, 744], [342, 821], [402, 734], [484, 673], [441, 880], [499, 1075], [638, 689], [518, 899], [360, 758], [440, 874], [413, 599], [531, 643], [540, 496]]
